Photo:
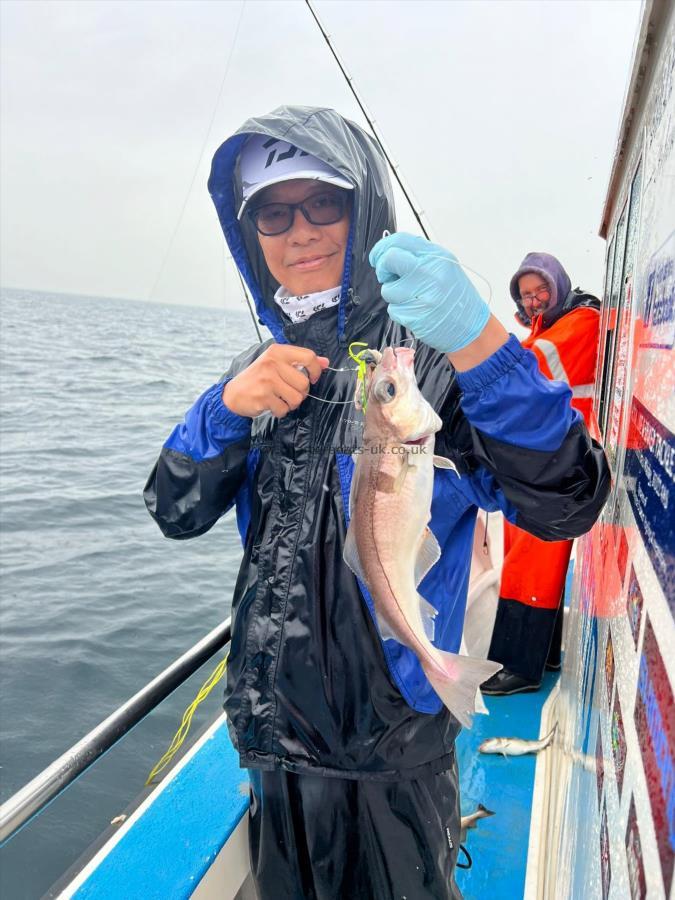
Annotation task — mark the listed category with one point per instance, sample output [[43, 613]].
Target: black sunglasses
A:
[[322, 208]]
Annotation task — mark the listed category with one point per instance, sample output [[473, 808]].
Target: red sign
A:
[[622, 554], [609, 666], [605, 863], [636, 867], [618, 743], [634, 604], [655, 724], [599, 764]]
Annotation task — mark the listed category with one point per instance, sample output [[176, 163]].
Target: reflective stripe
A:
[[550, 352], [583, 391]]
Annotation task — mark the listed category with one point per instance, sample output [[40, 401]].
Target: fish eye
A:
[[385, 391]]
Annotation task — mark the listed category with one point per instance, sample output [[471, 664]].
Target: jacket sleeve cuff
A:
[[224, 423], [485, 374], [208, 428]]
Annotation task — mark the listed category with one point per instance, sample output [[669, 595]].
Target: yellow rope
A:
[[182, 732]]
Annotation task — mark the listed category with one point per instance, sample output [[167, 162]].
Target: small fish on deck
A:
[[514, 746], [471, 820]]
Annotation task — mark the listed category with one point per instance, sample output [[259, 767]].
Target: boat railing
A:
[[31, 799]]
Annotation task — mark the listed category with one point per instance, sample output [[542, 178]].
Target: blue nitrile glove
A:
[[428, 292]]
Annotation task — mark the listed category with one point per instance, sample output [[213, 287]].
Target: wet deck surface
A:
[[499, 844]]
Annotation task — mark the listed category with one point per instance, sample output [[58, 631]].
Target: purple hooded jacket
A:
[[563, 298]]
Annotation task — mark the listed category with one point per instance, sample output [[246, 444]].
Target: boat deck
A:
[[184, 836], [505, 785]]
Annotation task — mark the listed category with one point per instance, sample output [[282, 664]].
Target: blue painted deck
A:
[[171, 846], [498, 845]]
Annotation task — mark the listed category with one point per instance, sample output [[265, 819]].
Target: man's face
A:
[[534, 293], [307, 258]]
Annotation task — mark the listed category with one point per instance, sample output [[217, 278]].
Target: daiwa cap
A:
[[266, 161]]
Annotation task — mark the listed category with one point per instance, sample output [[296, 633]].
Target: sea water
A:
[[94, 600]]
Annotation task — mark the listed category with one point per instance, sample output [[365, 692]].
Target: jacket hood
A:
[[348, 149], [555, 276]]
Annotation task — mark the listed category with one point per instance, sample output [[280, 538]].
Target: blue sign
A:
[[658, 315], [649, 474]]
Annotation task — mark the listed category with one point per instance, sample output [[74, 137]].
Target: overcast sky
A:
[[502, 115]]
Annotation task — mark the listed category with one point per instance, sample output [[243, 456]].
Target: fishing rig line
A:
[[418, 213]]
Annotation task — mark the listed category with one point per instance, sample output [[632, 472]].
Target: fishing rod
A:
[[371, 122], [248, 303]]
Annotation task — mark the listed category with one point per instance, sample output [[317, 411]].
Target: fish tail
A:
[[456, 681], [485, 810], [549, 737]]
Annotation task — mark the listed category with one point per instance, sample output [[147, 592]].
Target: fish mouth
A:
[[418, 441]]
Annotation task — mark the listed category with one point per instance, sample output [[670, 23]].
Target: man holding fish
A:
[[345, 692]]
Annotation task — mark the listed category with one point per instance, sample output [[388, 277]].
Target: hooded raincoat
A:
[[311, 687], [564, 339]]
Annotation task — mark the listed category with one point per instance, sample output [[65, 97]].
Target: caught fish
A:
[[389, 545], [512, 746], [471, 821]]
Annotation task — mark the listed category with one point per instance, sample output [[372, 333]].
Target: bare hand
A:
[[274, 382]]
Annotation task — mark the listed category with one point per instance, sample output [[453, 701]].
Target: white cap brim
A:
[[310, 174]]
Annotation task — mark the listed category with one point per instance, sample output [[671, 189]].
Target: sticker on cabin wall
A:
[[609, 666], [655, 724], [634, 604], [636, 867], [649, 471], [619, 382], [589, 654], [585, 553], [622, 554], [605, 864], [618, 743], [599, 764], [658, 308]]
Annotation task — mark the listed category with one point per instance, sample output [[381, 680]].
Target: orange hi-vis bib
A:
[[534, 570], [568, 351]]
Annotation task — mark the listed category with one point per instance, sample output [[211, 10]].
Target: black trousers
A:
[[525, 639], [317, 838]]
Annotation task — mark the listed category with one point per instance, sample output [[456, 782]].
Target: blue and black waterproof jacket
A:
[[311, 687]]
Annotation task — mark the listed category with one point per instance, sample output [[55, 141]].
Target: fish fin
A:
[[428, 613], [480, 706], [427, 555], [351, 556], [442, 463], [385, 631], [400, 478], [458, 684], [484, 809]]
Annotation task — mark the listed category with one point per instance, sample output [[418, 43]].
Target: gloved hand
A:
[[428, 292]]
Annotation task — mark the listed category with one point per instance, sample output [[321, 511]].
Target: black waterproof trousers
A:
[[324, 838]]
